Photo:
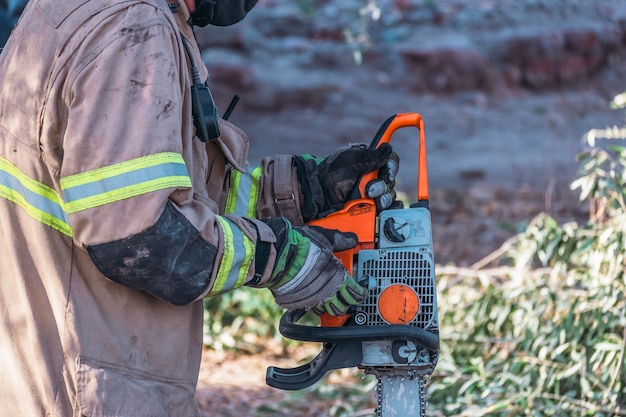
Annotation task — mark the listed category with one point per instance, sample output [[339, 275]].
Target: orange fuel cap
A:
[[398, 304]]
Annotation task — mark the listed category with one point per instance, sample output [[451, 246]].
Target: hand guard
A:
[[306, 274], [327, 183]]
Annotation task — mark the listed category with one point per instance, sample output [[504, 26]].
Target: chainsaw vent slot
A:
[[413, 267]]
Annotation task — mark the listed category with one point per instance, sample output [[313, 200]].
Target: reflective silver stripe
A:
[[236, 260], [243, 192], [311, 259], [124, 180], [38, 200]]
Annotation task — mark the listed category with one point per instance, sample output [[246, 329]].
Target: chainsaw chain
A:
[[379, 396], [422, 383]]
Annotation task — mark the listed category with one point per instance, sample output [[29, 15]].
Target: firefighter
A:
[[116, 220]]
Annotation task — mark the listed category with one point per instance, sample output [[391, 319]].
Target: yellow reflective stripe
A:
[[227, 258], [124, 180], [233, 189], [243, 192], [126, 192], [254, 192], [38, 200], [236, 260]]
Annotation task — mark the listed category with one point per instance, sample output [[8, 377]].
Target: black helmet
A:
[[220, 12]]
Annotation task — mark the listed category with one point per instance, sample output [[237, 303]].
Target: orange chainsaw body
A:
[[359, 216]]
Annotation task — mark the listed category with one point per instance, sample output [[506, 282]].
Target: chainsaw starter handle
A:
[[384, 134], [289, 328]]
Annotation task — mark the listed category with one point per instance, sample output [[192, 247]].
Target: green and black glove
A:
[[306, 275], [328, 183]]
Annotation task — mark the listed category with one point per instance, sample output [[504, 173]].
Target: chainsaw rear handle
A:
[[384, 134], [289, 328], [333, 356]]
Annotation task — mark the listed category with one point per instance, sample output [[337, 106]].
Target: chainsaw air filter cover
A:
[[401, 272]]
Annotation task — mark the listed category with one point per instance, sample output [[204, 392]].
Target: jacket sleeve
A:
[[132, 180], [270, 189]]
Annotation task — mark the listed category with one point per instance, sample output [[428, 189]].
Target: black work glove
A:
[[328, 183], [306, 274]]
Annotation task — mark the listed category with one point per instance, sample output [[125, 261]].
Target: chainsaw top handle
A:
[[386, 130]]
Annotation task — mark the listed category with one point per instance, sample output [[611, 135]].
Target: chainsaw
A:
[[394, 334]]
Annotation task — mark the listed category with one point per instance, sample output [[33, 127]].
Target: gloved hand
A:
[[306, 274], [327, 183]]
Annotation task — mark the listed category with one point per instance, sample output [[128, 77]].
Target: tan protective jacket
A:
[[96, 137]]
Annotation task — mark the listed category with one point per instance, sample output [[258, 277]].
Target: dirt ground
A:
[[496, 159]]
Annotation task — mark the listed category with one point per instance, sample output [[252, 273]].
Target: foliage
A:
[[358, 36], [238, 319], [612, 132], [543, 333], [356, 33]]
